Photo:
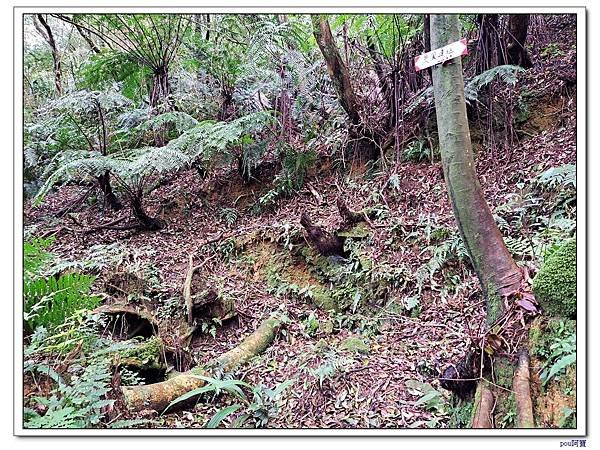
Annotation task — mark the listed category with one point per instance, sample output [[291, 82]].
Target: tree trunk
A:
[[517, 35], [110, 199], [335, 66], [497, 272], [147, 222], [49, 38], [490, 51], [160, 91], [340, 76], [161, 100], [86, 35]]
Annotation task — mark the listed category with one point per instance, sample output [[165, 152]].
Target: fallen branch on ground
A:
[[159, 396], [106, 225]]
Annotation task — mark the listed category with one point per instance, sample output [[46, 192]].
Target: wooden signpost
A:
[[441, 55]]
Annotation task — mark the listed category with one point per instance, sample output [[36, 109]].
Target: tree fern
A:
[[179, 119], [204, 141]]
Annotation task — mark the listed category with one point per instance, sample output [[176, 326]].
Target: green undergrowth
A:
[[555, 285], [552, 347]]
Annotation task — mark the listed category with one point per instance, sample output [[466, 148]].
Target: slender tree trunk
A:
[[86, 35], [517, 35], [335, 66], [340, 76], [283, 102], [497, 272], [110, 199], [427, 38], [46, 33], [161, 100], [490, 51]]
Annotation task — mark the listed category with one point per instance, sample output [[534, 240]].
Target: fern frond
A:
[[506, 73], [182, 121]]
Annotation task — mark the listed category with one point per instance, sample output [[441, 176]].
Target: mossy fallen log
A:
[[158, 396]]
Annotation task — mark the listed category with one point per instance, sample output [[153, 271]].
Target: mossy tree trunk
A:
[[498, 274]]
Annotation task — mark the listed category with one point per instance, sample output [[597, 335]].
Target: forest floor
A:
[[351, 368]]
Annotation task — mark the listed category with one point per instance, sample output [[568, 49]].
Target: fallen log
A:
[[158, 396]]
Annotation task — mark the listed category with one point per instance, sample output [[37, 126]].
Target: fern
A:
[[506, 73], [49, 301], [80, 404], [179, 119], [333, 365], [204, 141], [561, 176]]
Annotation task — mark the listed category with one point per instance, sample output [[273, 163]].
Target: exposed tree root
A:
[[106, 225], [522, 391], [187, 287], [128, 322], [158, 396], [326, 243], [484, 406]]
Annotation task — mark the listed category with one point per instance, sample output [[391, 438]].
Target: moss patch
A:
[[355, 344], [145, 355], [555, 285]]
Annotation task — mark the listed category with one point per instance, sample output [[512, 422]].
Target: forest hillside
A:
[[277, 221]]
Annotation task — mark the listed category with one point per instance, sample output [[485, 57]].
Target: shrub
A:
[[555, 286]]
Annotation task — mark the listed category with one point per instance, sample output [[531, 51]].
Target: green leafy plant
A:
[[552, 50], [49, 301], [562, 355], [311, 324], [78, 404], [295, 167], [333, 364], [258, 410], [417, 151], [429, 398]]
